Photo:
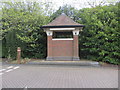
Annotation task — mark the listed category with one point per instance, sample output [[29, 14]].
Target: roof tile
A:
[[62, 20]]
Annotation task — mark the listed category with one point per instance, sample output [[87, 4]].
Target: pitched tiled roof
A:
[[63, 20]]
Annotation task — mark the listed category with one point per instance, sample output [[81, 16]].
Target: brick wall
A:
[[62, 48], [75, 46]]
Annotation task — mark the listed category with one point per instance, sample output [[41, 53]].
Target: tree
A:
[[21, 27], [67, 9], [99, 40]]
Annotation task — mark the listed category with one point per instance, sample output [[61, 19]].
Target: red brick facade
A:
[[75, 46], [49, 46], [63, 49]]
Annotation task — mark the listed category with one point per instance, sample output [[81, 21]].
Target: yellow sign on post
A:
[[18, 55]]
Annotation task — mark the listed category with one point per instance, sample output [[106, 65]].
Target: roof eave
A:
[[63, 26]]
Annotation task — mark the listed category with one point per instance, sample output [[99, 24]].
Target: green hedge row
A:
[[98, 41]]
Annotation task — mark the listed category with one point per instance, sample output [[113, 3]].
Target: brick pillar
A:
[[49, 45], [75, 45]]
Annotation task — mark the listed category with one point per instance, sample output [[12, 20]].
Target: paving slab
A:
[[60, 76]]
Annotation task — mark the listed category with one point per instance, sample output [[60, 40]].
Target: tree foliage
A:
[[100, 38], [21, 27], [98, 41], [67, 9]]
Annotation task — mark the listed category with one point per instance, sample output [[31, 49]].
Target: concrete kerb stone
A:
[[71, 63]]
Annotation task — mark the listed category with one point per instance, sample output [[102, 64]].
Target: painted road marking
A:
[[16, 67], [1, 73], [2, 70], [10, 67], [25, 88], [9, 70]]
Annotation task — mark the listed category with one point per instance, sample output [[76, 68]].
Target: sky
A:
[[75, 3], [78, 4]]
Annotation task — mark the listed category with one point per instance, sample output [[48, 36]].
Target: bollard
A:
[[18, 55]]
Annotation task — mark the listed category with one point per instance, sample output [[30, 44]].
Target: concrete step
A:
[[75, 63]]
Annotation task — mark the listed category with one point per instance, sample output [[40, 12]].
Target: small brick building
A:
[[62, 38]]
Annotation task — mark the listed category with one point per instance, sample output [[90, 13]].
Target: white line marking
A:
[[10, 67], [9, 70], [2, 70], [26, 87], [16, 67], [1, 73]]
